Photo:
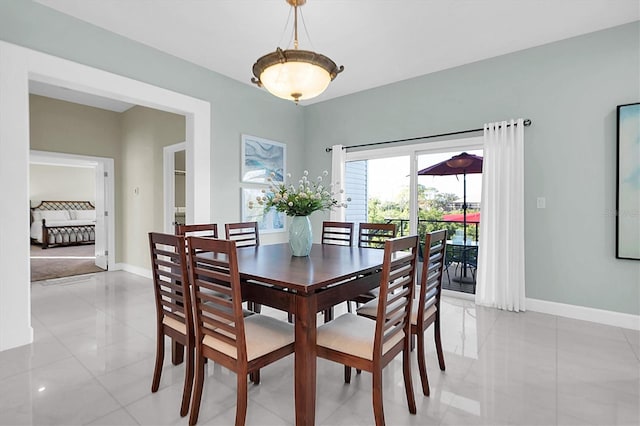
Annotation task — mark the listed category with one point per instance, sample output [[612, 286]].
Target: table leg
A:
[[305, 359]]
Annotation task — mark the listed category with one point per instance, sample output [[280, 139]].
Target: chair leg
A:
[[422, 364], [328, 315], [241, 401], [436, 334], [157, 370], [290, 318], [378, 410], [177, 352], [255, 307], [188, 382], [349, 306], [408, 384], [197, 389], [255, 377], [347, 374]]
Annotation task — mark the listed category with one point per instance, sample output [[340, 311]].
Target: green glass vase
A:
[[300, 236]]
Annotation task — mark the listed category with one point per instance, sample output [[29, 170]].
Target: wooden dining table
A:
[[305, 286]]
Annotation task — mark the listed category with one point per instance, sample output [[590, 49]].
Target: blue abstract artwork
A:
[[628, 208], [261, 158]]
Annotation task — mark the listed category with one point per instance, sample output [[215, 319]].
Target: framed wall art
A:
[[261, 157], [628, 183], [272, 221]]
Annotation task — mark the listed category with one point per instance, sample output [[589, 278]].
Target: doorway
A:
[[384, 187], [19, 65]]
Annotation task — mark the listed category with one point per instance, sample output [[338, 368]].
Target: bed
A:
[[63, 223]]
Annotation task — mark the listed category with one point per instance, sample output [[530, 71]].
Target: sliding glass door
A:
[[384, 187]]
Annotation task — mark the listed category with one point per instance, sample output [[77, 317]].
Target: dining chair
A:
[[337, 233], [200, 230], [426, 305], [222, 333], [245, 234], [173, 306], [372, 235], [358, 342]]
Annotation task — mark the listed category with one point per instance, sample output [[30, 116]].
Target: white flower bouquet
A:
[[302, 199]]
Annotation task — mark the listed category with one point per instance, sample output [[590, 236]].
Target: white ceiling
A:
[[378, 41]]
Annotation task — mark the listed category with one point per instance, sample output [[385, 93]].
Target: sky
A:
[[387, 176]]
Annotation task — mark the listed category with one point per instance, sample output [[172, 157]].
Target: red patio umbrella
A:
[[457, 217], [460, 164]]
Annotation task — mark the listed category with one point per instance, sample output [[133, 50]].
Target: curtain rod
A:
[[526, 122]]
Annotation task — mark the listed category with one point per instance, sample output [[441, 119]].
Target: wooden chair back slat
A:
[[432, 272], [397, 283], [213, 266], [337, 233], [170, 279], [199, 230], [245, 234], [374, 235]]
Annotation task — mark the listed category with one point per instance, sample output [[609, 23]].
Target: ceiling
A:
[[378, 41]]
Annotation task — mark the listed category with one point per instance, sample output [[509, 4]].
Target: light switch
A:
[[542, 202]]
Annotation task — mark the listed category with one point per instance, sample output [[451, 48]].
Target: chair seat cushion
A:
[[175, 324], [370, 310], [180, 326], [263, 334], [353, 335]]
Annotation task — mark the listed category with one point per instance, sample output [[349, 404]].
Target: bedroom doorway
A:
[[91, 180]]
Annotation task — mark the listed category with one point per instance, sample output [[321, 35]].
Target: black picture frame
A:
[[628, 182]]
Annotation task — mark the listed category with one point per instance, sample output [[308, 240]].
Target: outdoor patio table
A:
[[465, 251]]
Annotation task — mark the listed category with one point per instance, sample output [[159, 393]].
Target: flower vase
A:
[[300, 237]]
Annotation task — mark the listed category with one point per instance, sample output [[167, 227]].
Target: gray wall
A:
[[570, 90], [235, 108]]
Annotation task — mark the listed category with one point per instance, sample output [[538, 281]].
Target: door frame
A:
[[169, 183], [19, 65], [105, 239]]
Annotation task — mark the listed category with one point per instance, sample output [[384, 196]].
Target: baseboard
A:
[[132, 269], [459, 295], [616, 319], [600, 316]]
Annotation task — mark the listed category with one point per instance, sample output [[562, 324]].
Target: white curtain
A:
[[338, 158], [500, 278]]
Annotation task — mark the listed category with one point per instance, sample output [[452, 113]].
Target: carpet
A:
[[58, 262]]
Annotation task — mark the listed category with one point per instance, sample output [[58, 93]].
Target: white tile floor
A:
[[92, 360]]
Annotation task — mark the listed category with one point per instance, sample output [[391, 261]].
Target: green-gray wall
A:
[[236, 108], [569, 89]]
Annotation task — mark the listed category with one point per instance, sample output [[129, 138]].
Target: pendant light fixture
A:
[[295, 74]]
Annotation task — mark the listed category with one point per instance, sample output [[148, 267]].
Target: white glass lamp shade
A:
[[295, 74], [295, 80]]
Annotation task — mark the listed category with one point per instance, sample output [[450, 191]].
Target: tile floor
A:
[[92, 360]]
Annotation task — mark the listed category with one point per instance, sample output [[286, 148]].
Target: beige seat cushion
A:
[[175, 324], [370, 309], [353, 335], [263, 334]]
